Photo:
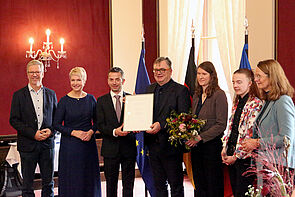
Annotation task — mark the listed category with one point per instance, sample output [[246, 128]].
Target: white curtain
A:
[[229, 16], [181, 13], [224, 23]]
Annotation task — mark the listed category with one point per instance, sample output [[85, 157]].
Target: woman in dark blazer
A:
[[210, 104]]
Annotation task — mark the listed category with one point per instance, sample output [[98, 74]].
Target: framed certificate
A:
[[138, 112]]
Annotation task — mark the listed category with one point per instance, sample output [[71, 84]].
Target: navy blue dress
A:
[[78, 170]]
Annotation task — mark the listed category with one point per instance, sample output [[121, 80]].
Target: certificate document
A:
[[138, 112]]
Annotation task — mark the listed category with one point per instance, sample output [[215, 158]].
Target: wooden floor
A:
[[138, 188]]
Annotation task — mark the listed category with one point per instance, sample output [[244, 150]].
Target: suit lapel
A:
[[29, 101], [123, 109], [45, 101], [166, 93], [195, 104], [244, 113], [267, 110], [110, 105]]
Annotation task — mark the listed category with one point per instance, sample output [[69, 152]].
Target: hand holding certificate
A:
[[138, 112]]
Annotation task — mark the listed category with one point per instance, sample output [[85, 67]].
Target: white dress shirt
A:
[[114, 103], [37, 98]]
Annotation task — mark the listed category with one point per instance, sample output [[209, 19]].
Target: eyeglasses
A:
[[161, 70], [34, 72]]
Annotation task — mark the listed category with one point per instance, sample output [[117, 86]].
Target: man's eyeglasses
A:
[[34, 72], [161, 70]]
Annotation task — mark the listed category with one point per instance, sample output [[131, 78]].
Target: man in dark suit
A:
[[118, 147], [31, 114], [165, 159]]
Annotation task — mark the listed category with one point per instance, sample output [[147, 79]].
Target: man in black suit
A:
[[31, 114], [118, 147], [165, 159]]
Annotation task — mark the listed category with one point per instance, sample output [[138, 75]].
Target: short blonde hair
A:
[[35, 62], [279, 83], [80, 71]]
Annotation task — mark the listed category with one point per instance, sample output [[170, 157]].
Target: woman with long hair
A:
[[210, 104], [275, 126], [277, 117], [246, 106]]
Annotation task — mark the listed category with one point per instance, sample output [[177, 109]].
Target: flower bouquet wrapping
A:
[[182, 127]]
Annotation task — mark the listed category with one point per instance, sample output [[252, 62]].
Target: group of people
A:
[[262, 103]]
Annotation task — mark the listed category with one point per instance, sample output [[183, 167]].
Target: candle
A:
[[62, 41], [48, 34], [31, 41]]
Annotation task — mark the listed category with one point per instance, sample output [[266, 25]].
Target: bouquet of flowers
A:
[[182, 127]]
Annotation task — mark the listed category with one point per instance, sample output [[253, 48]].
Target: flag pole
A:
[[190, 84], [142, 46], [193, 34], [246, 34]]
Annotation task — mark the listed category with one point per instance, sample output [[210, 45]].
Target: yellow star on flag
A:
[[137, 143], [142, 152]]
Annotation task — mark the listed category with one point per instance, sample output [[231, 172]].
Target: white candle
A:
[[62, 41], [31, 41], [48, 34]]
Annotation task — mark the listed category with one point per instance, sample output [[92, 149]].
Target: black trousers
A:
[[44, 157], [240, 183], [207, 169], [167, 168], [111, 169]]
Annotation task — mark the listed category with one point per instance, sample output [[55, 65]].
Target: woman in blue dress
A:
[[75, 119]]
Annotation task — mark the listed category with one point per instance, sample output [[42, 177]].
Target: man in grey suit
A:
[[31, 114]]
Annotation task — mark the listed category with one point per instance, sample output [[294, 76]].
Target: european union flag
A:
[[142, 82], [244, 60]]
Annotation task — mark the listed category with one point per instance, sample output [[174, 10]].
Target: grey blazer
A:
[[214, 111], [277, 121]]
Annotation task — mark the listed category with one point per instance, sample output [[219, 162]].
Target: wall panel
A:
[[84, 24]]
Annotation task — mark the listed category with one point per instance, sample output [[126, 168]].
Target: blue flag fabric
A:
[[244, 60], [142, 82]]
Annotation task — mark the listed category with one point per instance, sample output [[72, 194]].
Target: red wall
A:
[[150, 18], [286, 38], [84, 24]]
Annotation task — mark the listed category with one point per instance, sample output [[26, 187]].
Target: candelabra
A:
[[47, 53]]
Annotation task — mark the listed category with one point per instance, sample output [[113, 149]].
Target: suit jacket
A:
[[23, 118], [246, 125], [173, 97], [278, 120], [214, 111], [106, 122]]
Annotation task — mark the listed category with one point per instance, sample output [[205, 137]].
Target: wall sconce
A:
[[48, 53]]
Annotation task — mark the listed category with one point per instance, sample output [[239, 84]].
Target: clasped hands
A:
[[248, 145], [193, 141], [228, 160], [42, 134], [83, 135]]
